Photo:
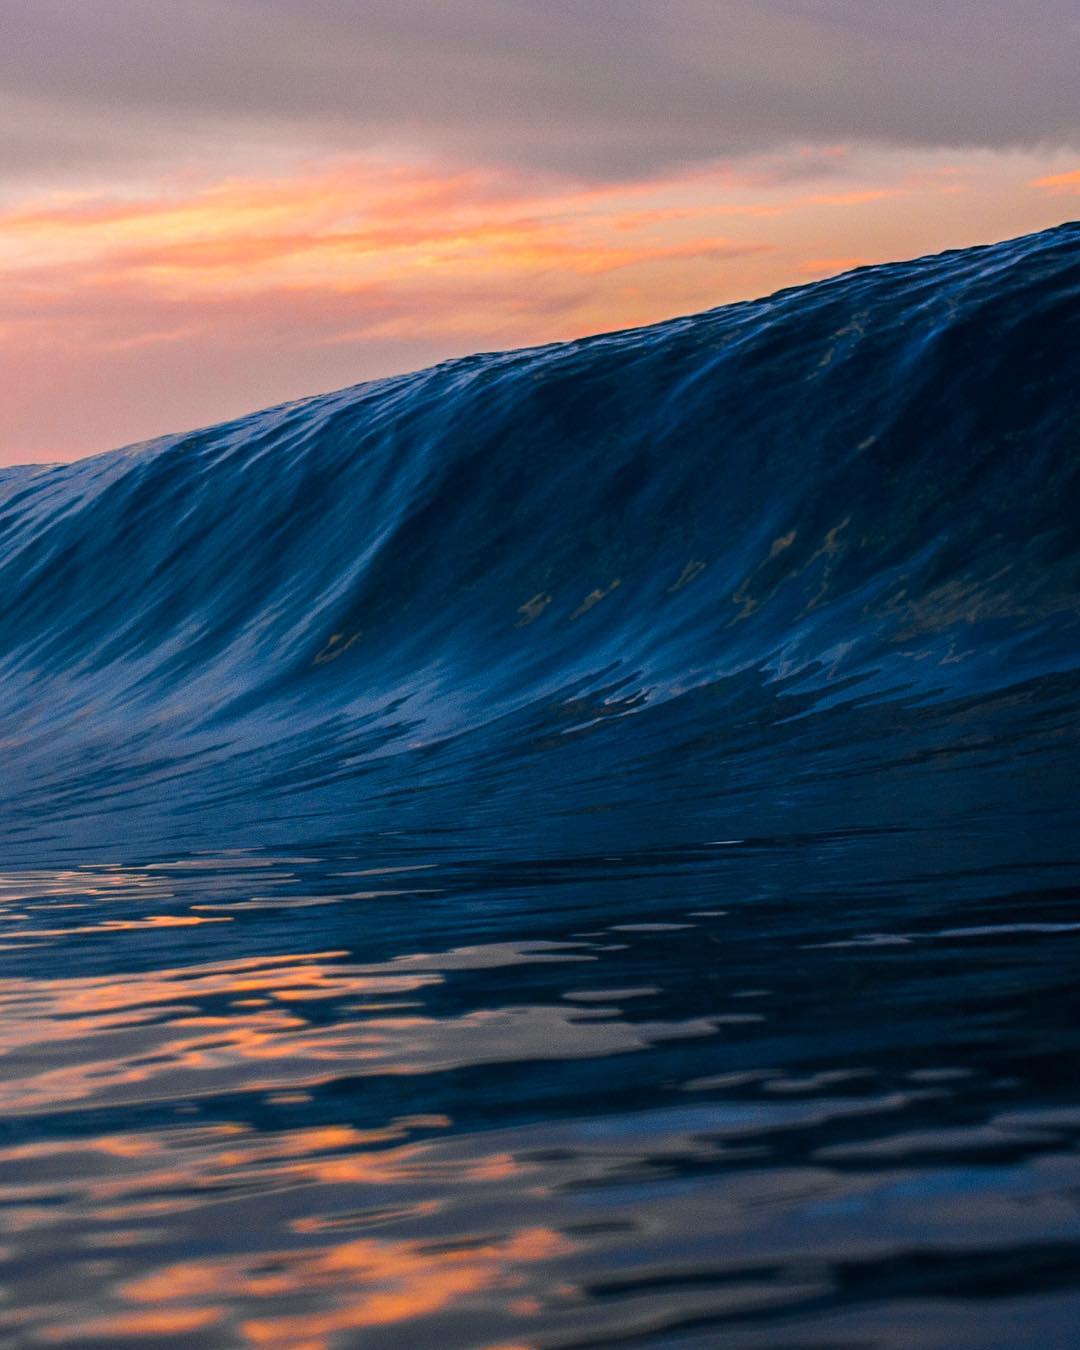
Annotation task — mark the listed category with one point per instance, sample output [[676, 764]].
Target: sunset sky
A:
[[207, 206]]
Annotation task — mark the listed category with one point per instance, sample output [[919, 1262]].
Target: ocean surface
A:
[[571, 848]]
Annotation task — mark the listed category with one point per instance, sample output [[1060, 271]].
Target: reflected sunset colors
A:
[[574, 1137], [574, 846]]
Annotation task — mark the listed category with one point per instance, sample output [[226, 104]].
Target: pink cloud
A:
[[123, 317]]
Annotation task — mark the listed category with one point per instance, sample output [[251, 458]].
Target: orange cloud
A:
[[183, 304], [349, 230], [334, 225], [854, 198], [252, 278], [1059, 182]]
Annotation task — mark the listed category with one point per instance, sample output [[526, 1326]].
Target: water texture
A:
[[575, 847]]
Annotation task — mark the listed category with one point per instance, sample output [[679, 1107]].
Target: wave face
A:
[[569, 848], [783, 547]]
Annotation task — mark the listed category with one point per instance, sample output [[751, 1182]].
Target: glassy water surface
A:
[[681, 1096], [571, 848]]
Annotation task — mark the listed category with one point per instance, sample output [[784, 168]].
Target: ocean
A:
[[574, 847]]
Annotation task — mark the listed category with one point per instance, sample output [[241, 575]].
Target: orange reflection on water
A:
[[120, 925], [120, 1177], [164, 1034], [379, 1283], [381, 1176], [107, 882], [161, 1322]]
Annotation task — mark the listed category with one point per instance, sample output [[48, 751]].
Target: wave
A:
[[813, 556]]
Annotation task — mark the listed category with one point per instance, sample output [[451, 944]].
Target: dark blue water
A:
[[574, 847]]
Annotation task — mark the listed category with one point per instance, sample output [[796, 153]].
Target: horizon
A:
[[539, 674], [314, 396], [262, 200]]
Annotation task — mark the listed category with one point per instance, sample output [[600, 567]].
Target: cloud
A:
[[345, 227], [162, 307], [594, 88], [1065, 183], [182, 301]]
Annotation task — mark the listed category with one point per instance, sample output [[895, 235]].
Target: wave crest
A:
[[790, 537]]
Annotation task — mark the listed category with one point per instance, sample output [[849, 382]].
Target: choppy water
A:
[[576, 847]]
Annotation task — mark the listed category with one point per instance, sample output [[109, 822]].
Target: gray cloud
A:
[[597, 87]]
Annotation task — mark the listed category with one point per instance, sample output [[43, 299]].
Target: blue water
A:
[[573, 847]]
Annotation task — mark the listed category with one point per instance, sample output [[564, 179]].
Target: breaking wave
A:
[[814, 554]]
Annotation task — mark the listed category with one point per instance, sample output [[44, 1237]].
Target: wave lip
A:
[[680, 554]]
